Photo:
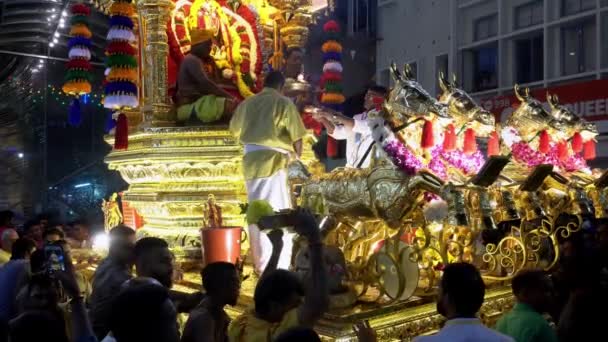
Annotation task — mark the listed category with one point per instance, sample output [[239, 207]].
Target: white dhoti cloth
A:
[[276, 191]]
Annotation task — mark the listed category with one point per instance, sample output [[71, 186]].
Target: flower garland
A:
[[78, 76], [332, 96], [121, 91]]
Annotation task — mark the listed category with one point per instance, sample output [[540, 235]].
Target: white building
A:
[[555, 45]]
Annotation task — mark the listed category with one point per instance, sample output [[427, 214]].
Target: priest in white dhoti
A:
[[355, 130], [271, 130]]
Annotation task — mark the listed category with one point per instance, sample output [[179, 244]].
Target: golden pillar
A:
[[153, 18]]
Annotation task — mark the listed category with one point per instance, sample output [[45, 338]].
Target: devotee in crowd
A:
[[461, 294], [8, 238], [143, 312], [582, 318], [33, 231], [355, 130], [298, 334], [79, 235], [525, 322], [42, 310], [197, 94], [6, 220], [270, 127], [111, 273], [52, 234], [208, 322], [13, 275], [278, 294], [153, 259]]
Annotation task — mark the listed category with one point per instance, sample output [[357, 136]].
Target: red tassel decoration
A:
[[121, 135], [589, 150], [543, 142], [470, 143], [493, 144], [428, 139], [332, 147], [577, 143], [562, 150], [449, 138]]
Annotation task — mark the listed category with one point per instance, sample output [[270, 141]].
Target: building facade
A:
[[559, 46]]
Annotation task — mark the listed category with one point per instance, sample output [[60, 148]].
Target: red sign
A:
[[588, 99]]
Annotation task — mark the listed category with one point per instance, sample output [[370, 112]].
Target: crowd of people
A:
[[131, 298]]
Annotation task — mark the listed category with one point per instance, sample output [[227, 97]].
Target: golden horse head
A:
[[464, 110], [408, 100], [530, 117], [571, 122]]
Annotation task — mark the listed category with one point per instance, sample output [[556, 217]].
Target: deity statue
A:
[[111, 212], [212, 213]]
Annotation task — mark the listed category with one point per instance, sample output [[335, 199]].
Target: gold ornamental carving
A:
[[154, 15]]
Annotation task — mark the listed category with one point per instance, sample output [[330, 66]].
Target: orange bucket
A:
[[221, 244]]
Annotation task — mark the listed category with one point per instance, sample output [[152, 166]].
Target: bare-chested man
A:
[[196, 93]]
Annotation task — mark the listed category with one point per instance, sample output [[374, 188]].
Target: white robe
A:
[[274, 189]]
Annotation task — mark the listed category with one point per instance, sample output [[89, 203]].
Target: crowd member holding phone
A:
[[278, 294], [42, 310]]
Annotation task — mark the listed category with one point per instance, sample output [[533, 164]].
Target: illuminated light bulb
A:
[[55, 40], [61, 25], [101, 242], [64, 14], [61, 21], [57, 34], [51, 44]]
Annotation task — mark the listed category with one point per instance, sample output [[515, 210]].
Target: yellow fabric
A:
[[4, 257], [267, 119], [248, 328], [200, 36], [208, 108]]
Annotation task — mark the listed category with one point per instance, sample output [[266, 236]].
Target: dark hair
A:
[[28, 225], [276, 287], [53, 231], [121, 231], [528, 279], [38, 261], [38, 325], [298, 334], [137, 312], [215, 276], [21, 248], [6, 216], [465, 289], [292, 50], [148, 244], [377, 89], [274, 79]]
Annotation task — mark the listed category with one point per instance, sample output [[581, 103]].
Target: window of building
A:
[[529, 14], [364, 16], [529, 59], [578, 48], [604, 42], [385, 78], [486, 27], [570, 7], [441, 66], [485, 68]]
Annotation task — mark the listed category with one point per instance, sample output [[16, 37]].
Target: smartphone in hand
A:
[[55, 259]]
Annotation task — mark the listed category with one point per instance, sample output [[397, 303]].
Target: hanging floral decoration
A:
[[78, 75], [331, 79], [121, 90]]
